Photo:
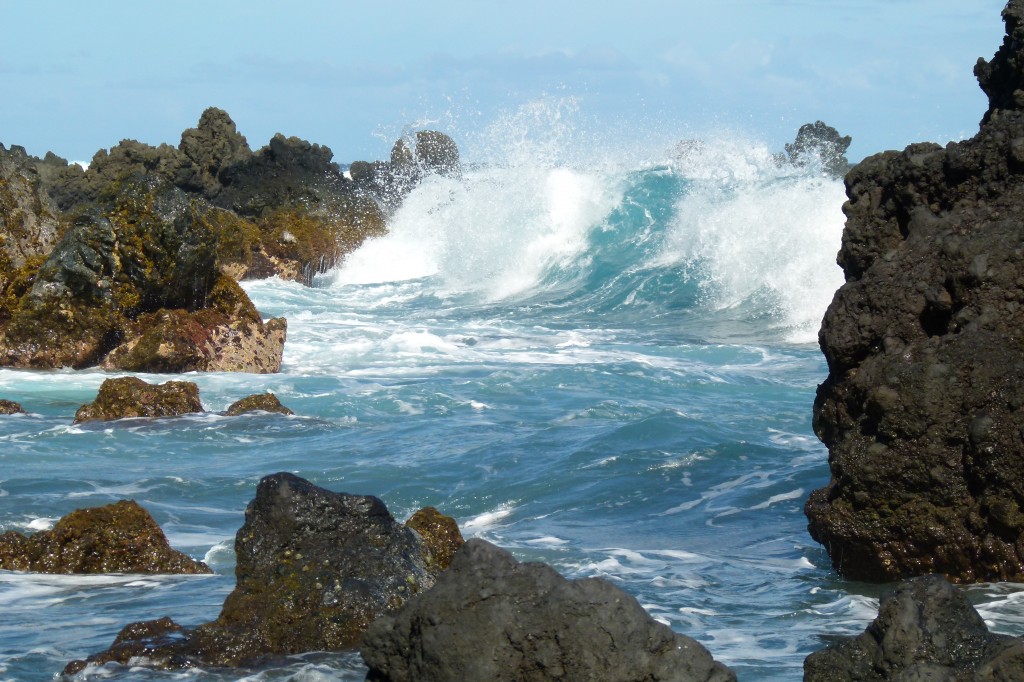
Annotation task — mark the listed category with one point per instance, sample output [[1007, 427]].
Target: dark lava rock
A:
[[136, 287], [314, 569], [262, 402], [428, 152], [117, 538], [923, 407], [491, 618], [821, 144], [10, 407], [133, 397], [925, 630]]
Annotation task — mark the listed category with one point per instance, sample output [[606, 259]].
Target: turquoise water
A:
[[609, 368]]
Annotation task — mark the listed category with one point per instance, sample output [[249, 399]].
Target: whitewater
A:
[[607, 364]]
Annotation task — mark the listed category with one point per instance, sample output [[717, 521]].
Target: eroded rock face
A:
[[133, 397], [117, 538], [925, 630], [30, 222], [492, 618], [923, 408], [314, 569]]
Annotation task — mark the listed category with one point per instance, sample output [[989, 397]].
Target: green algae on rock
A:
[[440, 534], [260, 402], [10, 407], [116, 538], [132, 397], [314, 569]]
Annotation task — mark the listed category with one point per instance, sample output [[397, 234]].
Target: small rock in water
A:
[[260, 402], [132, 397], [116, 538]]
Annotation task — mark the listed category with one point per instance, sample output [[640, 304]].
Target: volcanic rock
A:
[[117, 538], [820, 144], [440, 533], [314, 569], [132, 397], [491, 618], [925, 630], [262, 402], [428, 152], [30, 222], [923, 407], [10, 407]]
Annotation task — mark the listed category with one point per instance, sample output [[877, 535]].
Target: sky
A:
[[81, 76]]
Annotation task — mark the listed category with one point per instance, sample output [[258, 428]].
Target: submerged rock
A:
[[923, 407], [314, 568], [925, 630], [262, 402], [117, 538], [133, 397], [492, 618]]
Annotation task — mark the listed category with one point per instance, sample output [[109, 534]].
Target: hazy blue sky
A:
[[78, 76]]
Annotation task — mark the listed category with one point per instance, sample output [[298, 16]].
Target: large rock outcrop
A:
[[923, 407], [116, 538], [135, 285], [490, 618], [925, 630], [314, 568]]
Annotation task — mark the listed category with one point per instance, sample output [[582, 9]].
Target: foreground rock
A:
[[923, 407], [132, 397], [117, 538], [314, 569], [925, 630], [492, 618]]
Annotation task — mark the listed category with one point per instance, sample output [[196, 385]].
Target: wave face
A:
[[719, 240]]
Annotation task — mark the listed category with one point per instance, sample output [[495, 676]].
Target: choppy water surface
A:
[[607, 368]]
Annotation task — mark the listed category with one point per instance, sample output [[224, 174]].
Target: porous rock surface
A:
[[492, 618], [259, 402], [313, 569], [10, 407], [923, 407], [132, 397], [925, 630], [116, 538]]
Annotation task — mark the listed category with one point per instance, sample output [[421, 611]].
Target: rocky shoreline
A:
[[132, 265]]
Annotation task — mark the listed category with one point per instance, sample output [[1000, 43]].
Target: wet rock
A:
[[822, 144], [440, 533], [260, 402], [925, 630], [10, 407], [491, 618], [314, 569], [132, 397], [427, 152], [116, 538], [923, 407]]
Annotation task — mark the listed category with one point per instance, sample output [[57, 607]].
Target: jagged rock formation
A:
[[492, 618], [260, 402], [133, 397], [116, 538], [820, 144], [427, 152], [30, 222], [314, 569], [925, 630], [923, 408]]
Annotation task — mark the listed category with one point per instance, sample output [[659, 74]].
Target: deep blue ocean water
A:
[[608, 367]]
